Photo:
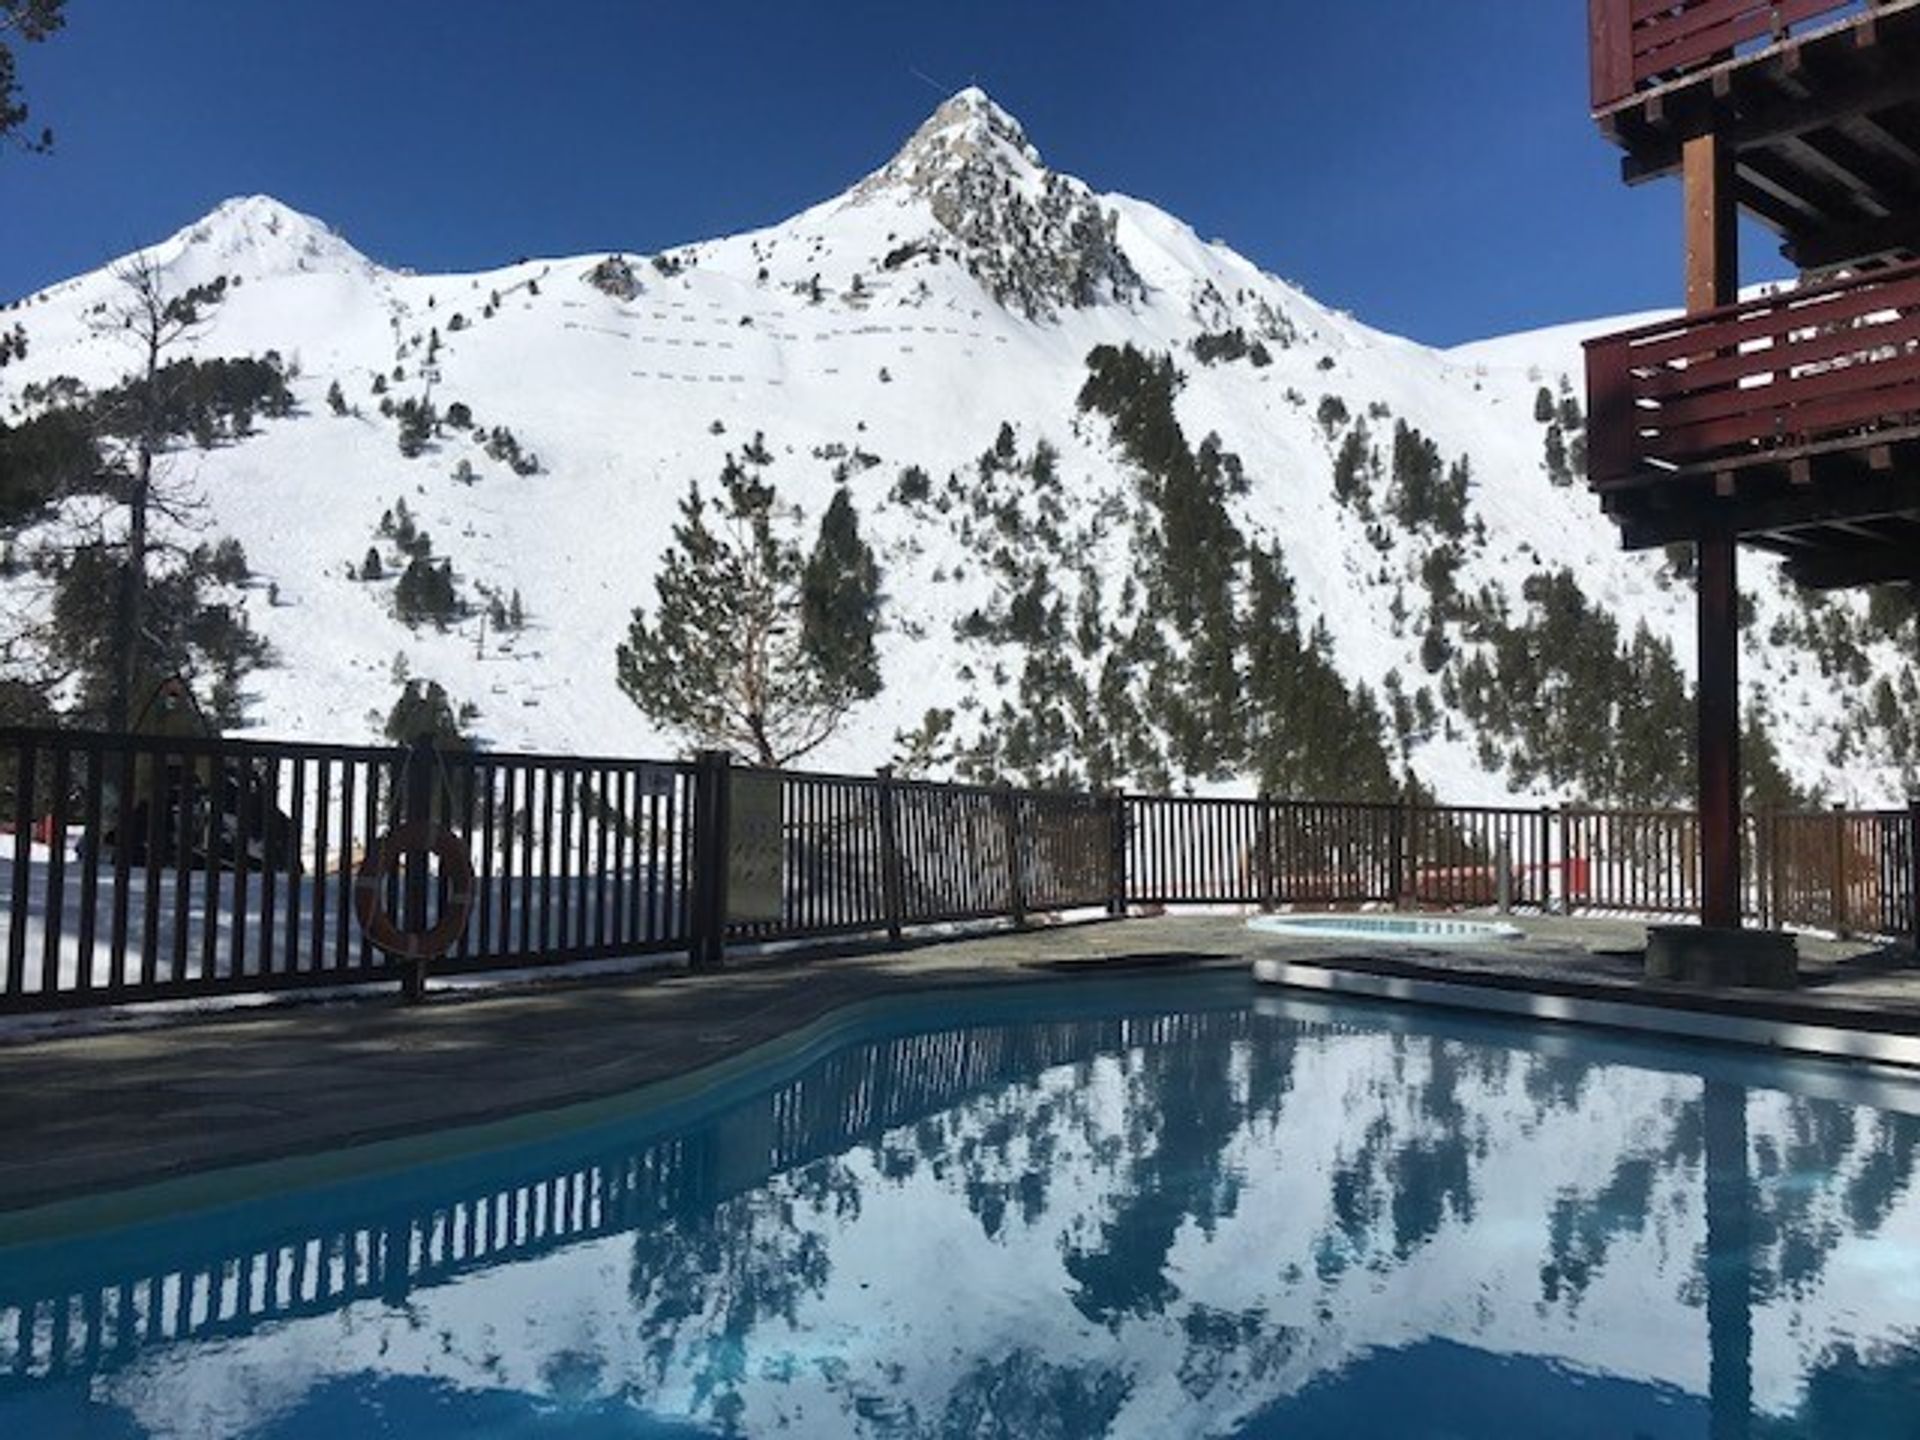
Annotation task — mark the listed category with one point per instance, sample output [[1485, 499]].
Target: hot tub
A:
[[1386, 929]]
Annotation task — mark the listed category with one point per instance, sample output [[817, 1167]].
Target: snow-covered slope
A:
[[958, 288]]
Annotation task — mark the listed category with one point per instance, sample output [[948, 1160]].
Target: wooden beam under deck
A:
[[1894, 564]]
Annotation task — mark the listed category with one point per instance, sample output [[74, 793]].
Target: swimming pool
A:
[[1160, 1207], [1388, 929]]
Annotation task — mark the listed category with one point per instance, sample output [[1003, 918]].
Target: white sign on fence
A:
[[753, 847]]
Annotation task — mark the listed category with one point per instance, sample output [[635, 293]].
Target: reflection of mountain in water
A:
[[1220, 1221]]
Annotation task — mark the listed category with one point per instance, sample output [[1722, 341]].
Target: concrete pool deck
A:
[[100, 1104]]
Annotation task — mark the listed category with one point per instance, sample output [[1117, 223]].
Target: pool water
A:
[[1152, 1208]]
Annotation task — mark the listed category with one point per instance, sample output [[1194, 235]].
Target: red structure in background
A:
[[1791, 422]]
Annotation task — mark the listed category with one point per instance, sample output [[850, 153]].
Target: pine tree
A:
[[840, 602], [336, 400], [1543, 407], [371, 568], [423, 711], [426, 593], [724, 657]]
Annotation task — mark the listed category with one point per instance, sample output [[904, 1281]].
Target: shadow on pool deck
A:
[[83, 1110]]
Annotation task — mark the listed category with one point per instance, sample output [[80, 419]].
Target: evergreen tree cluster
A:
[[1566, 439], [423, 710], [615, 276], [418, 425], [427, 594], [501, 445], [1425, 493], [51, 455], [1231, 677], [1213, 348], [1561, 699], [184, 630], [13, 345], [207, 400], [1357, 470]]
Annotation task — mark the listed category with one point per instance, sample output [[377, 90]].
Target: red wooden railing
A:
[[1809, 365], [1637, 43]]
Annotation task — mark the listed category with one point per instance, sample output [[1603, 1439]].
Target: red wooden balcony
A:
[[1819, 101], [1794, 420], [1642, 44]]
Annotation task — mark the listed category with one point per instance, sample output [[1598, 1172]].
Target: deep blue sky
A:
[[1428, 166]]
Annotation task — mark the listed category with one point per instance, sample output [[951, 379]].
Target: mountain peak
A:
[[969, 123], [1038, 240], [259, 235]]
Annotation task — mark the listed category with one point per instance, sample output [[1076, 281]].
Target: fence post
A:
[[707, 927], [1016, 867], [1117, 854], [890, 878], [1263, 839], [1779, 870], [1546, 860], [416, 805], [1839, 872], [1410, 857], [1766, 837], [1397, 854], [1913, 874]]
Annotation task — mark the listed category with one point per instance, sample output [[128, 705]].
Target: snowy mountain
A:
[[924, 339]]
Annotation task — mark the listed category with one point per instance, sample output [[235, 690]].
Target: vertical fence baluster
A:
[[546, 856], [372, 828], [56, 906], [296, 824], [122, 866], [24, 780], [90, 875], [484, 945], [210, 902], [156, 802], [322, 803], [269, 871]]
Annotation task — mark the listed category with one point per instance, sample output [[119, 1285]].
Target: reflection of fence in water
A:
[[78, 1314]]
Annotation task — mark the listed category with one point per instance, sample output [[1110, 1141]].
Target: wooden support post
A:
[[1117, 854], [1838, 840], [1719, 705], [1713, 246], [1546, 860], [1016, 862], [1713, 279], [1263, 843], [891, 880], [707, 925], [1397, 856]]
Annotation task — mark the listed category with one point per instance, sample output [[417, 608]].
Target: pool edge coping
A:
[[1806, 1033]]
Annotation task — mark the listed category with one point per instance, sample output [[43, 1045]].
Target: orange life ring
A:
[[415, 837]]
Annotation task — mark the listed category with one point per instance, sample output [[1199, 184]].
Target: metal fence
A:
[[147, 869]]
